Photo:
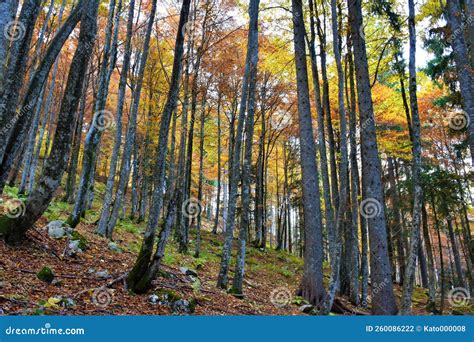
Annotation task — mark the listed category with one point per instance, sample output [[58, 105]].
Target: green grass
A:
[[57, 211]]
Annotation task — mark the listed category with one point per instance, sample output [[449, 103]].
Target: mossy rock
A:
[[165, 274], [167, 295], [46, 275], [83, 242], [192, 304]]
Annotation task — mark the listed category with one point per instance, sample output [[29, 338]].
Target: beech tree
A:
[[383, 302], [311, 288], [13, 229], [147, 265]]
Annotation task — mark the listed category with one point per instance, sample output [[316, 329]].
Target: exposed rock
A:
[[103, 274], [307, 308], [154, 299], [83, 243], [56, 282], [181, 306], [73, 248], [114, 247], [56, 229], [68, 302], [188, 271]]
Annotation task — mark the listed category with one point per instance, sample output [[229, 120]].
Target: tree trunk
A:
[[343, 172], [456, 256], [431, 305], [100, 122], [311, 288], [355, 189], [219, 170], [234, 176], [109, 188], [20, 36], [140, 269], [19, 127], [417, 190], [464, 69], [201, 175], [329, 213], [383, 301], [14, 229], [327, 113], [131, 129], [8, 10], [252, 51], [398, 229]]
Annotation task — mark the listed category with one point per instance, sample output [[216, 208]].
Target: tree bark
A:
[[219, 167], [99, 123], [329, 212], [383, 301], [234, 176], [140, 269], [417, 190], [463, 66], [343, 171], [8, 10], [102, 228], [14, 229], [252, 50], [18, 129], [311, 288], [21, 36]]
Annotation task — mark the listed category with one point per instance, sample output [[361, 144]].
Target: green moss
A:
[[129, 226], [83, 242], [169, 259], [299, 300], [168, 295], [45, 275], [57, 211], [192, 304], [10, 191], [134, 247], [5, 223], [420, 295]]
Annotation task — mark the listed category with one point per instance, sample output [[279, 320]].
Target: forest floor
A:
[[91, 282]]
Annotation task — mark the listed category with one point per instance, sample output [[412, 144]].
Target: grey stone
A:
[[181, 306], [73, 248], [154, 299], [103, 274], [56, 229], [68, 302], [114, 247], [188, 271], [307, 308]]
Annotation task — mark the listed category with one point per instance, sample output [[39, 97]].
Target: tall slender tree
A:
[[383, 301], [417, 189], [311, 288], [14, 229], [234, 177], [247, 162], [145, 267]]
